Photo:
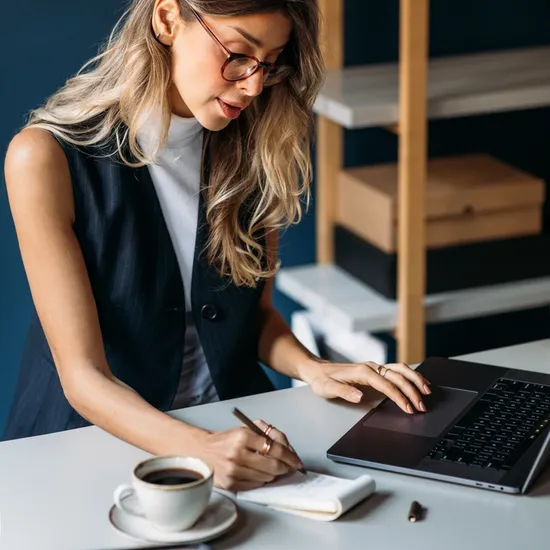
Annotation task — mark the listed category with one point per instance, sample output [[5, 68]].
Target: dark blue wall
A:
[[45, 42]]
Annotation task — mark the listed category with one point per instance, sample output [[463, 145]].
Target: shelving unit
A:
[[471, 84], [402, 97], [331, 292]]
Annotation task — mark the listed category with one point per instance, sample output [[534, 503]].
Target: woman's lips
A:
[[230, 111]]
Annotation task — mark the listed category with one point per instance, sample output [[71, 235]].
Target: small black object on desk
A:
[[415, 511]]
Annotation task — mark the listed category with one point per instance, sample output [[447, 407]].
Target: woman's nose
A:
[[254, 85]]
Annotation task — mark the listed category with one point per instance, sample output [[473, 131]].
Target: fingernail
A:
[[410, 409], [421, 406], [426, 389], [356, 396]]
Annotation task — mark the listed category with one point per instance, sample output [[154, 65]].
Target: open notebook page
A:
[[314, 495]]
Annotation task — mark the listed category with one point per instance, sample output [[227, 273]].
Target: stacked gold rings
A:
[[268, 441]]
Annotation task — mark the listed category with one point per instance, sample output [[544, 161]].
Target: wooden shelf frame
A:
[[412, 133], [402, 97]]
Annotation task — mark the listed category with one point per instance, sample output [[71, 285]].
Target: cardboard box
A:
[[470, 198]]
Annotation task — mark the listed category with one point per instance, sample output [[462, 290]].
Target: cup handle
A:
[[121, 492]]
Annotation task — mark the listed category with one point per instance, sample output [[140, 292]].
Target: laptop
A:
[[485, 426]]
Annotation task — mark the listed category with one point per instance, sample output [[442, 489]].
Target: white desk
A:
[[55, 490]]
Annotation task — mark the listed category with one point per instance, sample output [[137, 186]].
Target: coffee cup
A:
[[172, 491]]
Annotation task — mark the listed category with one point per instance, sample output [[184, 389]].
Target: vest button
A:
[[209, 312]]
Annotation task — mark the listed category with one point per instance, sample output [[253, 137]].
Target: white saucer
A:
[[219, 516]]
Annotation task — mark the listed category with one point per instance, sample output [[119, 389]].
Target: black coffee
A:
[[172, 476]]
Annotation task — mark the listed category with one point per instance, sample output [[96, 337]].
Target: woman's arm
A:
[[280, 350], [41, 200], [40, 195]]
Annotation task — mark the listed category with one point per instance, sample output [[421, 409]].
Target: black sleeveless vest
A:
[[139, 296]]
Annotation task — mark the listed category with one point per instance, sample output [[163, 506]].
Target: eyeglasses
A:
[[238, 66]]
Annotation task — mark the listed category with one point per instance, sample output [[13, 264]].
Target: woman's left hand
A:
[[398, 381]]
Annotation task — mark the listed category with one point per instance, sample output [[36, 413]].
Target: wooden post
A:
[[414, 53], [329, 134]]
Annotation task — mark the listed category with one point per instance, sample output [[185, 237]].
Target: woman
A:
[[147, 195]]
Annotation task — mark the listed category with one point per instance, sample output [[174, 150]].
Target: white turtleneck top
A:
[[176, 176]]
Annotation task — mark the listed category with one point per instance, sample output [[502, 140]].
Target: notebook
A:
[[316, 496]]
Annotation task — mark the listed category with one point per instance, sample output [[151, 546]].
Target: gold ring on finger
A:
[[267, 446], [268, 430], [382, 372], [377, 369]]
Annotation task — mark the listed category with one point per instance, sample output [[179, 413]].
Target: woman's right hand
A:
[[238, 463]]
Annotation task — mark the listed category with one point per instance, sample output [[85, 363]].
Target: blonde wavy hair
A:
[[261, 160]]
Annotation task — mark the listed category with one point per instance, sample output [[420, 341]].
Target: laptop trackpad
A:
[[443, 406]]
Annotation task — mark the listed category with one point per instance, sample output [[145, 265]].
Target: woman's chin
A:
[[214, 122], [213, 118], [216, 125]]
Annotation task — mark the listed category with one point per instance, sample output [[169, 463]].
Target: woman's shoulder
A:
[[34, 153], [33, 145], [36, 172]]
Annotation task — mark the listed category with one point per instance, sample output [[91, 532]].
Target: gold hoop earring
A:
[[161, 43]]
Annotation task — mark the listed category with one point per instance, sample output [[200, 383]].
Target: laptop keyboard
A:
[[499, 428]]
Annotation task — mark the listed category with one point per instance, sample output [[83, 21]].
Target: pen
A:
[[247, 422], [414, 512]]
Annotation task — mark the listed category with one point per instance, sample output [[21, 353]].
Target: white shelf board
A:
[[472, 84], [332, 293]]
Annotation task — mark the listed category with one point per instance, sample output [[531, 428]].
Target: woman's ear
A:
[[166, 20]]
